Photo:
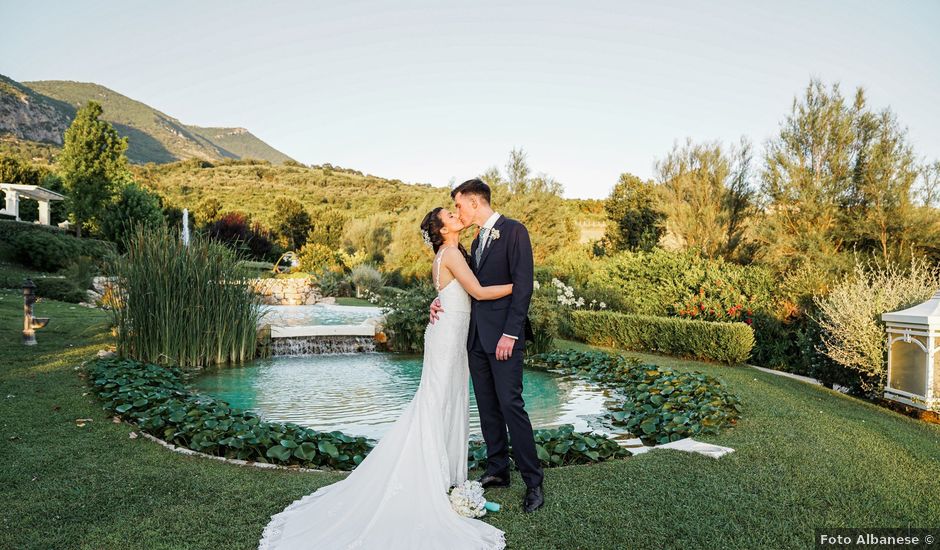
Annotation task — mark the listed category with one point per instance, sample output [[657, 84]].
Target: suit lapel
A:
[[490, 242], [473, 252]]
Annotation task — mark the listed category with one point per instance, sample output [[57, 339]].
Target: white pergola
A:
[[15, 191]]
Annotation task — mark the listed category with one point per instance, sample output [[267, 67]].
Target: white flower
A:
[[467, 499], [536, 285], [494, 233], [603, 305]]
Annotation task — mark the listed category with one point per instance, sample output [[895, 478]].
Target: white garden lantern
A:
[[913, 355]]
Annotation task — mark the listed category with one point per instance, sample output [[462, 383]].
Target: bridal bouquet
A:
[[467, 499]]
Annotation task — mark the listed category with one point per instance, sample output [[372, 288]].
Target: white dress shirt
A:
[[488, 225]]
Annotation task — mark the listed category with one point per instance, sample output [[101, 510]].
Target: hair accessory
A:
[[427, 238]]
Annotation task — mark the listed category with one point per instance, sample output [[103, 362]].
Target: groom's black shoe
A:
[[533, 499], [494, 480]]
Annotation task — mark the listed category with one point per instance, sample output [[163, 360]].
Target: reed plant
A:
[[186, 305]]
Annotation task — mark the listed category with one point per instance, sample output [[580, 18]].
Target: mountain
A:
[[29, 116], [40, 111]]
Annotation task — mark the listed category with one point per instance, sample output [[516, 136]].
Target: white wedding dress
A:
[[397, 497]]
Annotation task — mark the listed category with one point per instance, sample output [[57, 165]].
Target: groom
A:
[[500, 254]]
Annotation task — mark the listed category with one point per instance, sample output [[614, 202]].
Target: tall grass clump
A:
[[185, 305]]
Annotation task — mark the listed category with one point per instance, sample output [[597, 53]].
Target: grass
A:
[[805, 457], [344, 301]]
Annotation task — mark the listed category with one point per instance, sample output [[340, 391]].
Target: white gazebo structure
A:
[[15, 191], [914, 355]]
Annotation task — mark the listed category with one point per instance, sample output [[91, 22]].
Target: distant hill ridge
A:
[[41, 111]]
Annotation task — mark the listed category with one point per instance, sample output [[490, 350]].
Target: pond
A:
[[319, 314], [363, 394]]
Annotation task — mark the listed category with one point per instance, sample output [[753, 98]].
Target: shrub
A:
[[852, 332], [407, 316], [155, 398], [45, 251], [714, 341], [660, 404], [47, 248], [186, 305], [366, 279], [543, 314], [315, 257], [134, 205], [81, 272], [62, 289]]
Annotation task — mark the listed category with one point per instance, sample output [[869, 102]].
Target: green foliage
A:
[[156, 399], [367, 280], [560, 446], [838, 176], [290, 223], [705, 194], [334, 284], [134, 205], [635, 222], [661, 404], [59, 288], [543, 314], [92, 164], [326, 228], [713, 341], [184, 305], [406, 316], [852, 332], [49, 249], [315, 257]]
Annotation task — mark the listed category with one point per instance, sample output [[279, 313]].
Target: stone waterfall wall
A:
[[287, 292]]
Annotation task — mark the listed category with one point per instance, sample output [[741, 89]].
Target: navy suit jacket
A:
[[505, 260]]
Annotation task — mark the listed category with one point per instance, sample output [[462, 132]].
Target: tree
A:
[[135, 205], [327, 229], [807, 172], [927, 191], [705, 194], [634, 223], [92, 164], [517, 172], [290, 222], [838, 177], [208, 210]]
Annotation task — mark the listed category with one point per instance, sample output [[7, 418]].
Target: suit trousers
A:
[[497, 386]]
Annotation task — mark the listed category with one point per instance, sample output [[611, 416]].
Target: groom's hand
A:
[[504, 348], [436, 309]]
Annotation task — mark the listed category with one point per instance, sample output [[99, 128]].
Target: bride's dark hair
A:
[[432, 224]]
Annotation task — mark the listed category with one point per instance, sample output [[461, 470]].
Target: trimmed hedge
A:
[[59, 288], [729, 343], [48, 248]]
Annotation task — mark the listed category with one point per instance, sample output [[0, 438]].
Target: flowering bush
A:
[[716, 301]]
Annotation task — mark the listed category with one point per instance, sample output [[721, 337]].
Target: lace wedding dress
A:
[[397, 497]]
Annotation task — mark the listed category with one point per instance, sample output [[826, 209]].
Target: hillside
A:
[[41, 111], [27, 115]]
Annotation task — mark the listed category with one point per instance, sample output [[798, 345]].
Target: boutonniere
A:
[[494, 233]]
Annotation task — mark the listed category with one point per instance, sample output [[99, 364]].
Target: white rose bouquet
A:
[[467, 499]]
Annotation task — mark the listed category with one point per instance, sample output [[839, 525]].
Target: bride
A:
[[397, 497]]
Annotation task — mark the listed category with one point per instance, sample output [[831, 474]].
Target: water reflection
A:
[[362, 394], [319, 314]]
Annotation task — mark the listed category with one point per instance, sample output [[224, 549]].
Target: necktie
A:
[[484, 233]]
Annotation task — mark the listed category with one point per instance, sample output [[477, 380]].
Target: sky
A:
[[436, 92]]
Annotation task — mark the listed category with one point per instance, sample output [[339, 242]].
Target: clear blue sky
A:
[[426, 92]]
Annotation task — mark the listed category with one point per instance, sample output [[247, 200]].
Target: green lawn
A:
[[345, 301], [806, 457]]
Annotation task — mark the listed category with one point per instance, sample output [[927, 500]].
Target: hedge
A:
[[47, 248], [712, 341]]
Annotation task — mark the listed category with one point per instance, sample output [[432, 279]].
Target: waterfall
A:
[[318, 345], [186, 227]]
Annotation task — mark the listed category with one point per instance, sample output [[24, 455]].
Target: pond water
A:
[[363, 394], [319, 314]]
